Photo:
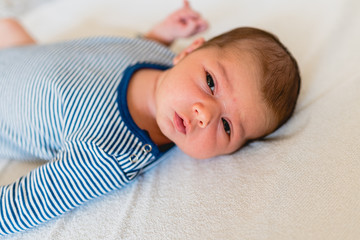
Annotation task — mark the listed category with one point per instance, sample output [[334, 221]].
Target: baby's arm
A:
[[184, 22], [81, 173]]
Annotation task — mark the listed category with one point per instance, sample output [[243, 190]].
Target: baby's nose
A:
[[203, 114]]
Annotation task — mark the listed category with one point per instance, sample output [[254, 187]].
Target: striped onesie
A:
[[66, 103]]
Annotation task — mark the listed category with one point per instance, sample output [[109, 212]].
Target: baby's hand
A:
[[183, 23]]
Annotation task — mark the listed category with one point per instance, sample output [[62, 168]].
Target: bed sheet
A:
[[302, 182]]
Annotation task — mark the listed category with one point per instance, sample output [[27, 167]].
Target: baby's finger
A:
[[202, 25], [199, 24], [190, 28], [186, 4], [185, 18], [188, 13]]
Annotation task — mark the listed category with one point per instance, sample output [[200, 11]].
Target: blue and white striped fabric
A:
[[66, 103]]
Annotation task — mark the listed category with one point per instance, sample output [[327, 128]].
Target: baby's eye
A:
[[210, 82], [226, 126]]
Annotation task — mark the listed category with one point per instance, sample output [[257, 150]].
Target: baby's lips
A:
[[179, 124]]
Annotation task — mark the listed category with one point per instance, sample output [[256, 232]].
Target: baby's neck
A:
[[141, 103]]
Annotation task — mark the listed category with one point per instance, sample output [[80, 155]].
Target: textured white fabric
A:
[[13, 8], [303, 182]]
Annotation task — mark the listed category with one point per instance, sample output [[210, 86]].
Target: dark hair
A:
[[280, 82]]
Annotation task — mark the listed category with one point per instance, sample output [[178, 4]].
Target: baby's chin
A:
[[198, 154], [197, 151]]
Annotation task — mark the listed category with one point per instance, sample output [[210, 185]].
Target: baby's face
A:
[[209, 103]]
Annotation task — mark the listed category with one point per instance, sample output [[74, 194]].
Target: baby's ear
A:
[[194, 45]]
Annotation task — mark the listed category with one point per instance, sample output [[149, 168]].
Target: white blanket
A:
[[302, 182]]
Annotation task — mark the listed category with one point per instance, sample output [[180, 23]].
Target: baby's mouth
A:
[[179, 124]]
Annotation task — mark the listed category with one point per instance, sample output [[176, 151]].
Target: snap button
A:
[[133, 158], [147, 148]]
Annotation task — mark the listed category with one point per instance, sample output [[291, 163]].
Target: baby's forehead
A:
[[244, 79], [243, 58], [244, 50]]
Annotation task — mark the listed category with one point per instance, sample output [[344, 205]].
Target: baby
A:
[[104, 110]]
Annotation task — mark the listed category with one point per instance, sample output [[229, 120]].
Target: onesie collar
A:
[[123, 105]]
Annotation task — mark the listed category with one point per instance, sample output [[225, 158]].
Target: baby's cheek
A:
[[202, 148]]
